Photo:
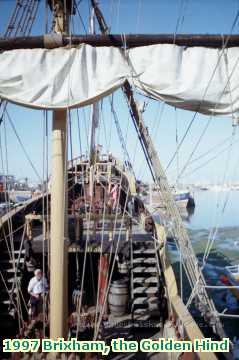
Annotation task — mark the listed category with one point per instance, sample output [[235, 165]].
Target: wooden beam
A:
[[59, 205], [130, 41]]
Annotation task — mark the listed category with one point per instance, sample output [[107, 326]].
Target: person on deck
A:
[[36, 288]]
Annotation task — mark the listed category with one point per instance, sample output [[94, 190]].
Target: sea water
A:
[[216, 216]]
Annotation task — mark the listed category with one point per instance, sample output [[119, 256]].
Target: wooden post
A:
[[58, 246], [59, 208]]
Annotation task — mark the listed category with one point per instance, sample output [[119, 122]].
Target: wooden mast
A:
[[59, 213], [94, 108]]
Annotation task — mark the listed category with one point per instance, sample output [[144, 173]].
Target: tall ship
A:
[[99, 251]]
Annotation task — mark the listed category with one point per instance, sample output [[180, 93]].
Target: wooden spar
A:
[[58, 247], [118, 40], [94, 111], [59, 214]]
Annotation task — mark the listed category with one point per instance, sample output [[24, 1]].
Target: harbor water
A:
[[216, 217]]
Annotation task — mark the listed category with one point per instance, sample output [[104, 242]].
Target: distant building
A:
[[7, 182]]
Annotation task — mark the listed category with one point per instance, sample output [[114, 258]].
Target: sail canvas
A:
[[197, 79]]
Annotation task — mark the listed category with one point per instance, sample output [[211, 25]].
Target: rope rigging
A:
[[213, 232], [181, 237], [154, 131], [205, 92], [218, 145], [22, 146], [121, 138], [22, 19], [20, 23], [210, 159], [188, 259], [227, 88], [181, 17]]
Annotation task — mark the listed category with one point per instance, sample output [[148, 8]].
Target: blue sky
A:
[[136, 16]]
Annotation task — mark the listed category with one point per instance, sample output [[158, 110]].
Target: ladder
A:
[[9, 289], [146, 285]]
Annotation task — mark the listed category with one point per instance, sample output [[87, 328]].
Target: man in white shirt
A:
[[36, 288]]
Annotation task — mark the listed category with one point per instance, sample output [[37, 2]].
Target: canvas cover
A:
[[198, 79]]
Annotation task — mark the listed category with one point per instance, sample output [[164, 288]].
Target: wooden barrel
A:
[[118, 297]]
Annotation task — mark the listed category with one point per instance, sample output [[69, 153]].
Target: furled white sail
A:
[[60, 78], [198, 79]]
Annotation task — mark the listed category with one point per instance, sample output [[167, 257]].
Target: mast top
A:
[[69, 5]]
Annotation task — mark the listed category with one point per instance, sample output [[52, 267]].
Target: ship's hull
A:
[[107, 246]]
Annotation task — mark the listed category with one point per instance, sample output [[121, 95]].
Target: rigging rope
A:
[[213, 232], [9, 221], [209, 120], [205, 92], [156, 123], [22, 146], [209, 160], [79, 133], [104, 127], [211, 149], [127, 160], [180, 18], [100, 262], [80, 17], [113, 264], [225, 89]]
